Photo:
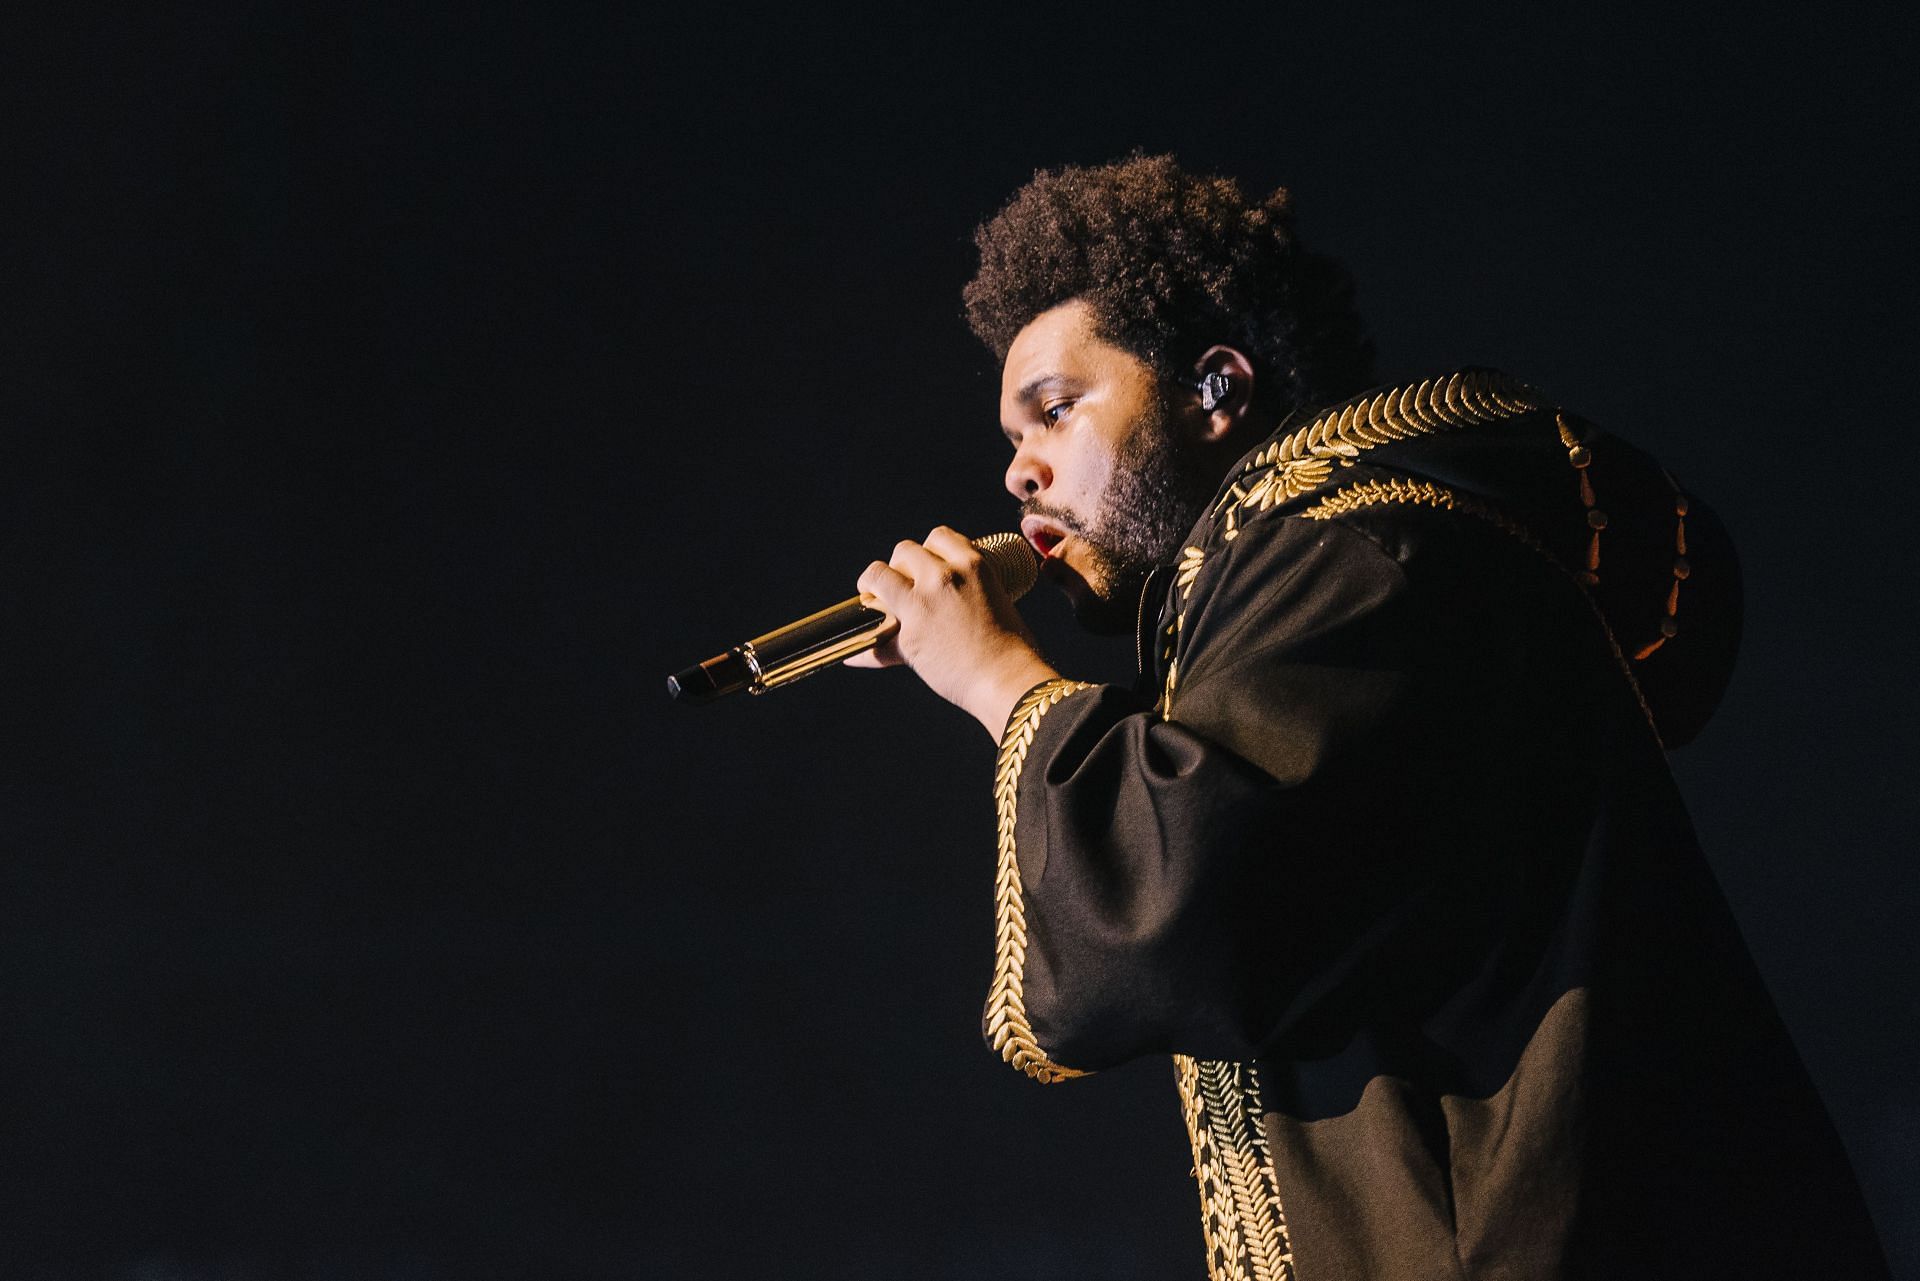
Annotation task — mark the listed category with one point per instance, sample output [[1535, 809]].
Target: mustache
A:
[[1059, 515]]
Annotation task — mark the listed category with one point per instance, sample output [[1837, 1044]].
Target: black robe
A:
[[1385, 851]]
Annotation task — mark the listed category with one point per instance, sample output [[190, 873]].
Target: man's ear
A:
[[1223, 384]]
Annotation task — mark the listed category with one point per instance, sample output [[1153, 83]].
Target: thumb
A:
[[885, 653]]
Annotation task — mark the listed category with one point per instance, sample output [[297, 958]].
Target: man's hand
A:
[[955, 626]]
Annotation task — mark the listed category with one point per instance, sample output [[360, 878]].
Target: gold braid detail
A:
[[1191, 559], [1304, 460], [1241, 1218], [1424, 493], [1240, 1212], [1008, 1031]]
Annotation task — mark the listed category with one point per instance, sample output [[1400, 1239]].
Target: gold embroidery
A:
[[1305, 459], [1240, 1211], [1423, 493], [1008, 1031], [1190, 562], [1189, 568], [1173, 654]]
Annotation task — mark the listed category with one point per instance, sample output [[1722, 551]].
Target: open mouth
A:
[[1045, 535]]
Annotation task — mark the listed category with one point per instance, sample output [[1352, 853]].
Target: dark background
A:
[[391, 399]]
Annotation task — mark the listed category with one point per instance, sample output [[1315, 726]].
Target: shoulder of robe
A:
[[1476, 443], [1326, 463]]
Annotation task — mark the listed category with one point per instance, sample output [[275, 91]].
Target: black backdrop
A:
[[392, 399]]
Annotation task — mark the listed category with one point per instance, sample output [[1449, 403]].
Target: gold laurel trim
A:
[[1305, 459], [1423, 493], [1240, 1212], [1008, 1031], [1189, 568]]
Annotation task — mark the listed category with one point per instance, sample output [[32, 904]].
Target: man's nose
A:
[[1027, 475]]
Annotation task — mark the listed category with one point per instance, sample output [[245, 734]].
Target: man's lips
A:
[[1045, 535]]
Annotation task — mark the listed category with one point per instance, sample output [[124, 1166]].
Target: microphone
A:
[[833, 635]]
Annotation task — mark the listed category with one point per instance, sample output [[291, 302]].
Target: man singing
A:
[[1382, 848]]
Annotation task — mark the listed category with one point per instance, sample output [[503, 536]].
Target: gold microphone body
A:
[[833, 635]]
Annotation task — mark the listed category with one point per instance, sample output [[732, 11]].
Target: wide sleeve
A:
[[1174, 878]]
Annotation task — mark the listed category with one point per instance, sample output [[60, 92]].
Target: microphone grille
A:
[[1011, 559]]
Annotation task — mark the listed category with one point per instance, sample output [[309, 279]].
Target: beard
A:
[[1156, 491]]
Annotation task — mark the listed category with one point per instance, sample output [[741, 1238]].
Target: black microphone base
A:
[[725, 674]]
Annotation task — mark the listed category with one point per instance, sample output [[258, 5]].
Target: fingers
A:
[[947, 559], [883, 587], [906, 587], [886, 586], [957, 550], [927, 570], [952, 546]]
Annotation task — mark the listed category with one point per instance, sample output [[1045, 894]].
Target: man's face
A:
[[1106, 491]]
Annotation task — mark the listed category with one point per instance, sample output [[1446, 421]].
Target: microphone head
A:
[[1011, 560]]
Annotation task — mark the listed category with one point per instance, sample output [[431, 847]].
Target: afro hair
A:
[[1171, 264]]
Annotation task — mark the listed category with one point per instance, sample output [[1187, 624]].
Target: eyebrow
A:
[[1030, 390], [1034, 386]]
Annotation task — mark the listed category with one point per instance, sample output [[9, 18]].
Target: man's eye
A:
[[1054, 413]]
